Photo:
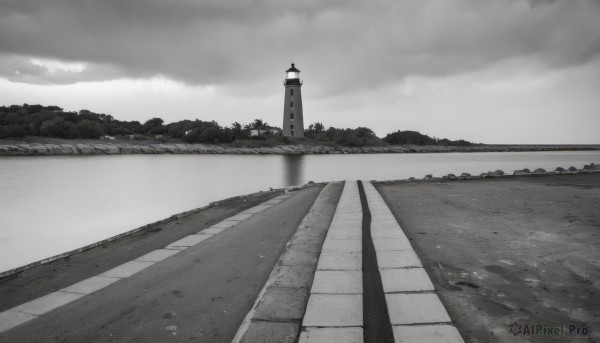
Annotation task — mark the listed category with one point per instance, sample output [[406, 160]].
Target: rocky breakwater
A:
[[587, 169], [116, 148]]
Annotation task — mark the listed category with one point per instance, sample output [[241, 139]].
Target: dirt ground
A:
[[517, 251]]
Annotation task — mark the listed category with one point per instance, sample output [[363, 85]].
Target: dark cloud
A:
[[341, 45]]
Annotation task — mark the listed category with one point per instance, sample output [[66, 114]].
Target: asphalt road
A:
[[200, 295]]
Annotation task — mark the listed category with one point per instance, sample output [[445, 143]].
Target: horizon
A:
[[507, 72]]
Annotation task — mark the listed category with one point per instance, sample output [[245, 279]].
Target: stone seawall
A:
[[37, 149]]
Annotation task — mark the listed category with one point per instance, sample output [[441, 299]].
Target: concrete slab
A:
[[405, 280], [260, 331], [342, 245], [344, 234], [127, 269], [10, 319], [349, 200], [375, 204], [384, 225], [345, 225], [323, 209], [297, 257], [340, 261], [212, 231], [332, 335], [307, 247], [318, 225], [384, 221], [189, 241], [379, 207], [90, 285], [397, 259], [47, 303], [225, 224], [388, 234], [373, 197], [427, 334], [256, 209], [390, 244], [334, 310], [337, 282], [309, 237], [350, 209], [240, 216], [157, 255], [281, 304], [415, 308], [347, 215], [315, 217], [380, 212], [292, 276]]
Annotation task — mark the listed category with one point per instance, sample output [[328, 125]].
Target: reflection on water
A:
[[293, 169], [52, 204]]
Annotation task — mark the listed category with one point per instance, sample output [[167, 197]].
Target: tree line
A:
[[52, 121], [363, 136]]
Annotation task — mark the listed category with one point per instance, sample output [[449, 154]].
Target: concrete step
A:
[[335, 308], [416, 312]]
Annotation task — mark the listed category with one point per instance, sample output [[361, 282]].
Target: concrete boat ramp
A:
[[323, 264]]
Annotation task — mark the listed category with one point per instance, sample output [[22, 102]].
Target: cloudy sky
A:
[[496, 71]]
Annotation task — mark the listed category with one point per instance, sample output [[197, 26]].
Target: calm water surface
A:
[[52, 204]]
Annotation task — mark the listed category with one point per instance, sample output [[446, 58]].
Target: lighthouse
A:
[[293, 121]]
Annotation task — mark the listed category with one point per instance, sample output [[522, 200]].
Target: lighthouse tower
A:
[[293, 121]]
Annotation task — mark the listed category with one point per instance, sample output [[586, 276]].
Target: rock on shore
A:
[[110, 148]]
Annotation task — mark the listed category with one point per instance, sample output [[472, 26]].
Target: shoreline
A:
[[587, 169], [22, 148]]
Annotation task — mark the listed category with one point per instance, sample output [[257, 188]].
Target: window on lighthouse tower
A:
[[292, 116]]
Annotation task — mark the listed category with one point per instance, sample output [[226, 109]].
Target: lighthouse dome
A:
[[293, 72]]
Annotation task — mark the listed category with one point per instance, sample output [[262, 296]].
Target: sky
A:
[[488, 71]]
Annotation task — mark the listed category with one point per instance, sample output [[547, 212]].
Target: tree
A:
[[12, 131], [86, 129], [416, 138], [212, 134], [258, 124], [319, 127], [56, 127], [239, 132], [408, 137], [153, 126]]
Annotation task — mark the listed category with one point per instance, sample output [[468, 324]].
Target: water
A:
[[53, 204]]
